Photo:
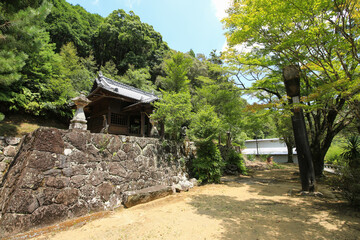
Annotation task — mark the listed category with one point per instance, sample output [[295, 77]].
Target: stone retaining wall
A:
[[8, 149], [60, 174]]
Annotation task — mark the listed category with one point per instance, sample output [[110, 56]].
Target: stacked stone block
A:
[[8, 149]]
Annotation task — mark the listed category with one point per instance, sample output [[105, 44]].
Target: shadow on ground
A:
[[271, 212], [269, 219]]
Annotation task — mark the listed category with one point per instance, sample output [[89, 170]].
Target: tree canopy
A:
[[125, 40], [67, 23]]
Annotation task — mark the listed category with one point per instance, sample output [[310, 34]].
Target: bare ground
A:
[[265, 205]]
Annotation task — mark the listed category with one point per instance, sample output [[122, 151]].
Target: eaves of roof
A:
[[125, 90]]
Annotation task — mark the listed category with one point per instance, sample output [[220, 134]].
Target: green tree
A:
[[18, 29], [228, 105], [204, 128], [176, 69], [109, 70], [37, 85], [174, 111], [351, 151], [74, 68], [258, 122], [197, 71], [67, 23], [139, 78], [205, 124], [125, 40], [318, 35]]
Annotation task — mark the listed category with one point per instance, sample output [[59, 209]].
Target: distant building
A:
[[274, 147], [118, 108]]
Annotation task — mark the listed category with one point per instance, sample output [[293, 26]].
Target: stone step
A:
[[132, 198]]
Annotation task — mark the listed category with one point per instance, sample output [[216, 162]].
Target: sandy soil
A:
[[265, 205]]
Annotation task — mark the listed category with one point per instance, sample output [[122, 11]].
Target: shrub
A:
[[348, 180], [207, 165], [234, 162], [251, 157], [349, 184], [351, 152]]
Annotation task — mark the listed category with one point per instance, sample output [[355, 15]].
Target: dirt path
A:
[[264, 206]]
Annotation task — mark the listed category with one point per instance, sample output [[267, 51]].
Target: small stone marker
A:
[[79, 120]]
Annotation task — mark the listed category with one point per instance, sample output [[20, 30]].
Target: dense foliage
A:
[[125, 40], [66, 23], [34, 67], [173, 110], [200, 95]]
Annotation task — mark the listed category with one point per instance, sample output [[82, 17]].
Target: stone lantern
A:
[[79, 120]]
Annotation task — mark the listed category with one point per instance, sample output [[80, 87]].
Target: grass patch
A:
[[20, 124]]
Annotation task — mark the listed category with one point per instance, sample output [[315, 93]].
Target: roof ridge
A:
[[120, 84]]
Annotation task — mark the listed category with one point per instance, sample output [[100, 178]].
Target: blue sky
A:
[[184, 24]]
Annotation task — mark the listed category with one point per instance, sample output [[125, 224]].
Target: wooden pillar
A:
[[128, 124], [148, 125], [142, 120], [109, 118]]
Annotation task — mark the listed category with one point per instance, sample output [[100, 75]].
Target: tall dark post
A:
[[291, 76], [142, 124], [257, 146]]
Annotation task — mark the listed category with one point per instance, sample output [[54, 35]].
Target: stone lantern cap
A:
[[81, 100]]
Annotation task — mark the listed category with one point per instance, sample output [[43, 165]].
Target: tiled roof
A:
[[125, 90]]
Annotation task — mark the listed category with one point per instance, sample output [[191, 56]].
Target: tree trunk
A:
[[162, 130], [318, 160], [318, 152], [228, 140], [289, 147]]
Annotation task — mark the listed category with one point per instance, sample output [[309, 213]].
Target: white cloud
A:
[[131, 3], [95, 2], [220, 7]]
